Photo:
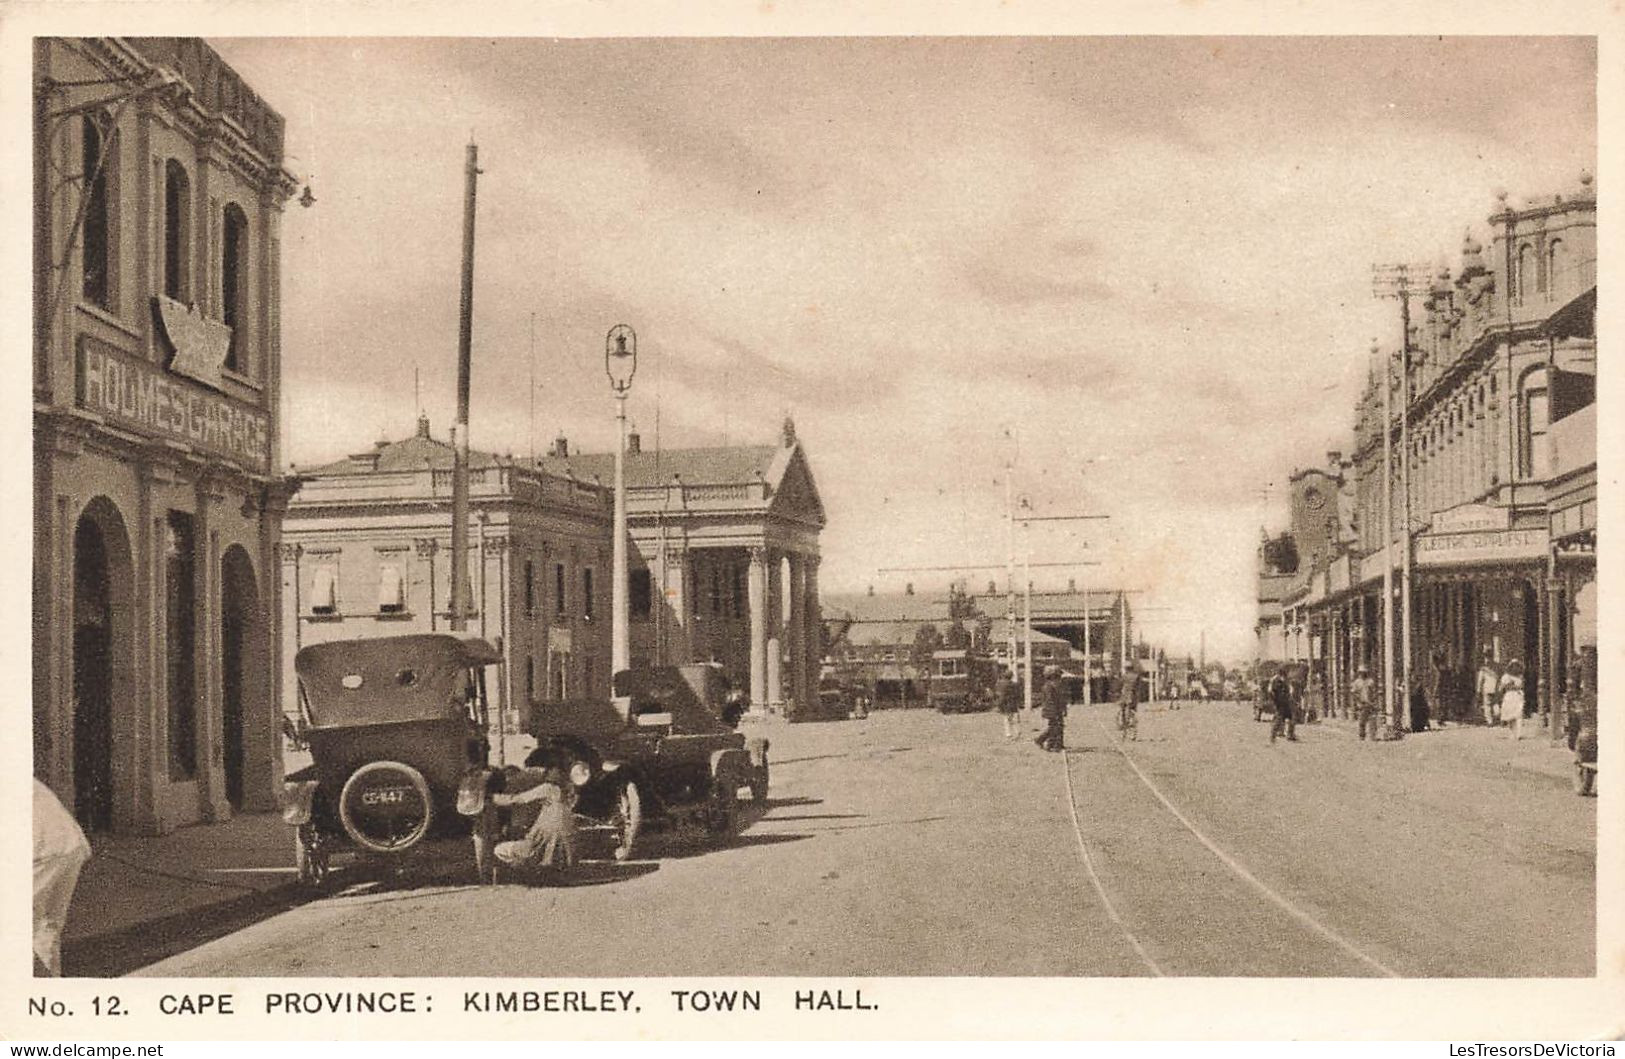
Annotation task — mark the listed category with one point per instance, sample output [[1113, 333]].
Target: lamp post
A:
[[620, 363]]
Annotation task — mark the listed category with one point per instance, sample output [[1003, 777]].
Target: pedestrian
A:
[[1280, 693], [1437, 683], [1511, 690], [1364, 693], [1008, 700], [1489, 688], [1053, 710], [1128, 705], [1420, 714]]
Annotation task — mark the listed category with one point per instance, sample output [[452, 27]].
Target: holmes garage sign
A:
[[132, 393]]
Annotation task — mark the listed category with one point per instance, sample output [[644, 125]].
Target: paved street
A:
[[915, 844]]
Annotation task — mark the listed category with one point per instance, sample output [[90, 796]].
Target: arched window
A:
[[1526, 268], [1535, 452], [96, 231], [234, 284], [177, 232], [1554, 265]]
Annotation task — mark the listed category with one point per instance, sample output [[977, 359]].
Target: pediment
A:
[[796, 495]]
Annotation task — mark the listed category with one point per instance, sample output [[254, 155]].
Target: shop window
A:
[[391, 591], [177, 231], [180, 642], [640, 593], [1535, 452], [234, 284], [96, 231], [324, 581], [586, 593], [530, 680]]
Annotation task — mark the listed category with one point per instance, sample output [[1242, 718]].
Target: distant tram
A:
[[962, 681]]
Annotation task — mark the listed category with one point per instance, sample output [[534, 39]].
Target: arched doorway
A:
[[101, 634], [242, 676]]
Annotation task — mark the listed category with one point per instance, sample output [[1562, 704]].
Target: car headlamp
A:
[[580, 773]]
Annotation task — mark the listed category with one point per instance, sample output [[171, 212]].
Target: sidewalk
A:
[[134, 880], [1487, 747]]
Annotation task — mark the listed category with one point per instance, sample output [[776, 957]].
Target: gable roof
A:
[[653, 468], [412, 454]]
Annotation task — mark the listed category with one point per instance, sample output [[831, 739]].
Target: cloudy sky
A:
[[1137, 267]]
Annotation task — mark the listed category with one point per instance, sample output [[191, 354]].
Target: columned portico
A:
[[774, 614], [796, 633]]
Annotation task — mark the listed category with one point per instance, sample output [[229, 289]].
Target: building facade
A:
[[158, 198], [722, 560], [367, 552], [1493, 438]]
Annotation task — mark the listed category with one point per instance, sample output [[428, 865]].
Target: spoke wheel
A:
[[628, 820]]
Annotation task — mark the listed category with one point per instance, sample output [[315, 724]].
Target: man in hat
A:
[[1364, 693], [1281, 700], [1053, 711], [1128, 704]]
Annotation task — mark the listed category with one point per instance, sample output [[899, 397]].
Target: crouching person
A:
[[541, 803]]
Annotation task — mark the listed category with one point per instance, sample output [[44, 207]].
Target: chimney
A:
[[561, 447], [871, 590], [634, 443], [423, 424], [908, 589], [1071, 584], [992, 588], [1334, 460]]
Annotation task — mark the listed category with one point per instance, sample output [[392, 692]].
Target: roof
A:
[[413, 454], [1050, 605], [890, 606], [732, 465]]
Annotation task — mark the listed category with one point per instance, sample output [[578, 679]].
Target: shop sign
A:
[[558, 639], [1443, 549], [1472, 518], [135, 394]]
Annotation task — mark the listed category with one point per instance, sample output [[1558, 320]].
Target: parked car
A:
[[662, 756], [394, 725]]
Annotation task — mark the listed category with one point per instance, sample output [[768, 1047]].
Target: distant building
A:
[[367, 552], [723, 563], [1501, 466], [158, 196]]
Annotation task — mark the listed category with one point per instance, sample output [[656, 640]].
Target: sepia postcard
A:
[[601, 521]]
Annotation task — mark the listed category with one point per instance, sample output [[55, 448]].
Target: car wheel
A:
[[628, 819], [1584, 778], [485, 841], [758, 784], [310, 856]]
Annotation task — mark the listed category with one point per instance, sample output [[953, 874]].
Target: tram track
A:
[[1202, 903]]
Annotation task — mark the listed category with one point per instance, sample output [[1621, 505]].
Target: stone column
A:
[[813, 626], [797, 633], [757, 583], [775, 629]]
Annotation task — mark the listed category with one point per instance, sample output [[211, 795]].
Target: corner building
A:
[[158, 197]]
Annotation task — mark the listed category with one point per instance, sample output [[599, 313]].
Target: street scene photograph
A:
[[815, 507]]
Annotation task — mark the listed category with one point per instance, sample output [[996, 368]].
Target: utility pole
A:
[[1393, 707], [1394, 281], [459, 430]]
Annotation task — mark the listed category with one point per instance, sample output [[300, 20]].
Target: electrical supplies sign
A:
[[132, 393], [1438, 549]]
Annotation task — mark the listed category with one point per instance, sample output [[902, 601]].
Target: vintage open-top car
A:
[[394, 724], [661, 754]]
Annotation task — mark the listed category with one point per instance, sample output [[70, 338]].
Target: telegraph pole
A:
[[459, 430], [1394, 281]]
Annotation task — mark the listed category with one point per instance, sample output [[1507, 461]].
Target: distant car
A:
[[669, 760], [394, 725]]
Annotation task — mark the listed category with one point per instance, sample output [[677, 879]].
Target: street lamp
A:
[[620, 364]]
